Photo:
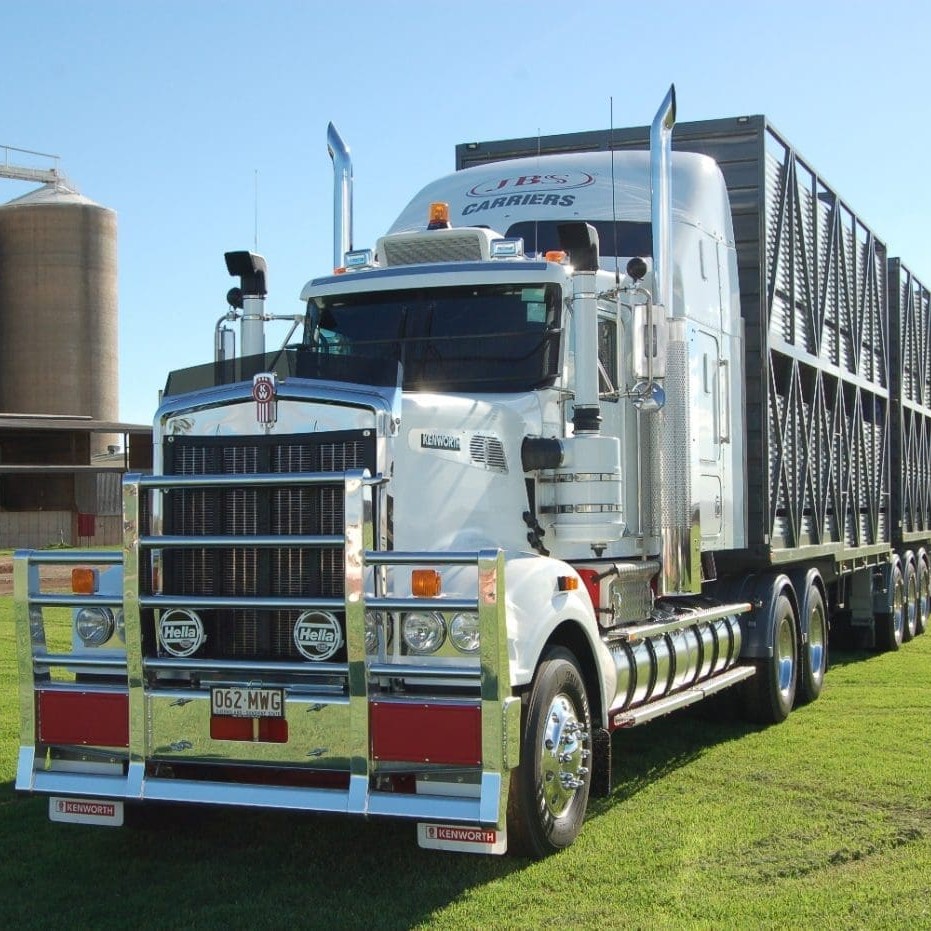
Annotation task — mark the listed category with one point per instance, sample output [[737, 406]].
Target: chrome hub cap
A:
[[562, 756]]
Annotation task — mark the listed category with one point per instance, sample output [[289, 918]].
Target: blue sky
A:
[[175, 113]]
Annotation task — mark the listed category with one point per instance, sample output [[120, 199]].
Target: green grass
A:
[[821, 822]]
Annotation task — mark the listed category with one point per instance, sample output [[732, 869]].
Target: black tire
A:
[[924, 590], [549, 790], [890, 625], [813, 655], [770, 694], [910, 627]]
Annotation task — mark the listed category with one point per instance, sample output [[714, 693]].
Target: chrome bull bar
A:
[[499, 709]]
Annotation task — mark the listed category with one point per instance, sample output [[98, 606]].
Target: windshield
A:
[[493, 338]]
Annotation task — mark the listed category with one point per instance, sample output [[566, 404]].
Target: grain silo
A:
[[58, 305]]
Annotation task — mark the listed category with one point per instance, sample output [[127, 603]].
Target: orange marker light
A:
[[84, 581], [567, 583], [555, 256], [426, 583]]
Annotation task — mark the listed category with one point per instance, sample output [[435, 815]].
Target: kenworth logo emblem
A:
[[181, 632], [439, 441], [317, 635], [265, 394]]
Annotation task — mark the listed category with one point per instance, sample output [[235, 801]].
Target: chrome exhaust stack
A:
[[661, 198], [675, 517], [342, 195]]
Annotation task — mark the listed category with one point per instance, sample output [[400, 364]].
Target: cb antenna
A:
[[617, 260]]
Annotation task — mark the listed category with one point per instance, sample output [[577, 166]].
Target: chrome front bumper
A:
[[328, 706]]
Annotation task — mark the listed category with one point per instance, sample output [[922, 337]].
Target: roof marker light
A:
[[555, 255], [359, 258], [438, 218], [507, 248]]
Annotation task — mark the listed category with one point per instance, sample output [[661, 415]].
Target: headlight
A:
[[94, 626], [422, 632], [374, 620], [463, 631], [120, 622]]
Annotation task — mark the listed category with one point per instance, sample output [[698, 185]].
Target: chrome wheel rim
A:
[[911, 604], [898, 609], [562, 755], [924, 594], [785, 657], [817, 639]]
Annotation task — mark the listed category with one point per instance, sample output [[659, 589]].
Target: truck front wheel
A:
[[549, 790]]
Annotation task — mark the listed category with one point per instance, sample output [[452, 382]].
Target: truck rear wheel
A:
[[924, 589], [770, 694], [549, 790], [814, 652], [910, 627], [890, 625]]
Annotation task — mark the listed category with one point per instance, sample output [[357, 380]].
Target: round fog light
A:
[[94, 626], [422, 632], [463, 631]]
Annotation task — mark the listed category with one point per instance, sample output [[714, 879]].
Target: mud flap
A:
[[601, 763], [86, 811], [462, 838]]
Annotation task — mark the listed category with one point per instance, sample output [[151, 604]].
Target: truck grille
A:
[[284, 571]]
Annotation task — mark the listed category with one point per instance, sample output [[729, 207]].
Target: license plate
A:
[[86, 811], [245, 702]]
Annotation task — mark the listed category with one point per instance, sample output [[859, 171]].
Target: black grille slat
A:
[[257, 571]]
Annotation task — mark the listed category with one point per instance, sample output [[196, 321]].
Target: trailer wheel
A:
[[890, 625], [549, 790], [910, 627], [814, 652], [770, 694], [924, 590]]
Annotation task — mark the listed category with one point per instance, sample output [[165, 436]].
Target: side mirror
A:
[[650, 337], [648, 397]]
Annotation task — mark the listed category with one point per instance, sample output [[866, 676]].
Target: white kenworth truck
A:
[[597, 430]]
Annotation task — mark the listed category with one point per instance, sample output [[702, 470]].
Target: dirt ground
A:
[[54, 578]]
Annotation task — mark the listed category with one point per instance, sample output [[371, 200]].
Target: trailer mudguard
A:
[[757, 627]]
